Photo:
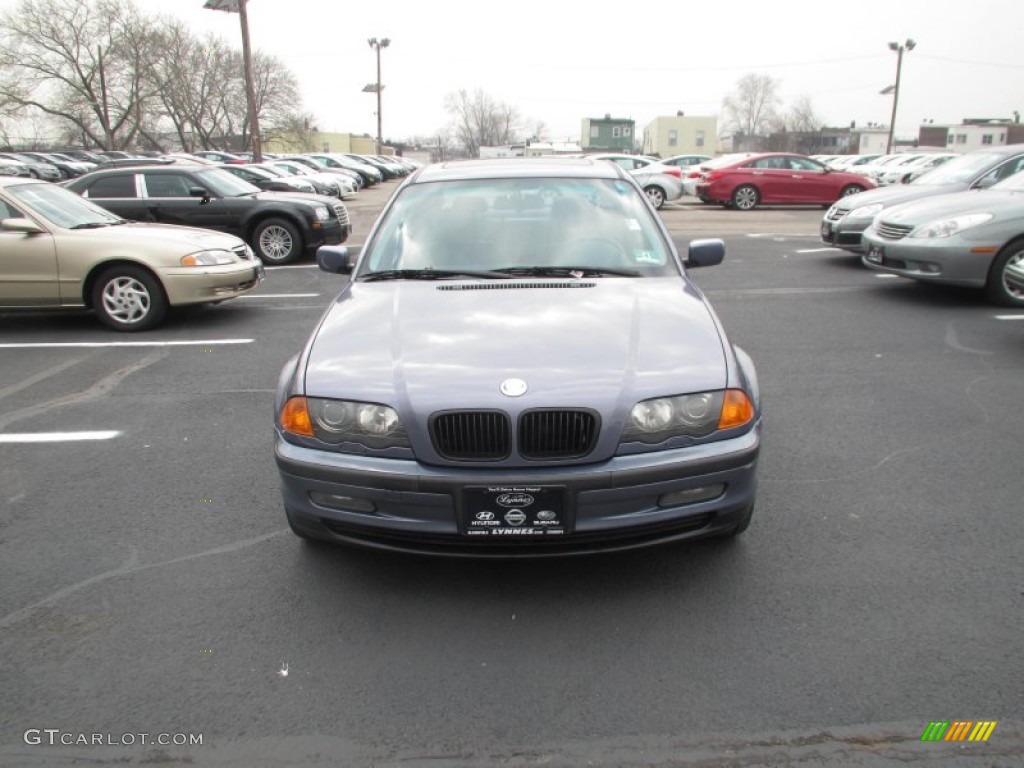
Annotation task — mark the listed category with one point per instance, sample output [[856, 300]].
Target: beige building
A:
[[681, 135], [318, 141]]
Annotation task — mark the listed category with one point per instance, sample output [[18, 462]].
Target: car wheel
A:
[[745, 198], [128, 298], [33, 174], [656, 195], [277, 241], [1006, 276], [850, 189]]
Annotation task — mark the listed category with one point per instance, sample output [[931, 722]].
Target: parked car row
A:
[[960, 223]]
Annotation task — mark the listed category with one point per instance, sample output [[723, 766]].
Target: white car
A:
[[661, 182], [907, 172]]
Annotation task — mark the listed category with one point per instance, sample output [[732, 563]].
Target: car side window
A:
[[120, 185], [803, 164], [166, 185], [8, 211]]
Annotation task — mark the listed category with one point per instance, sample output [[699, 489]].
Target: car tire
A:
[[128, 298], [997, 288], [850, 189], [745, 198], [276, 241], [656, 195]]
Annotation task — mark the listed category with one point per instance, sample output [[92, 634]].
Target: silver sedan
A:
[[971, 238]]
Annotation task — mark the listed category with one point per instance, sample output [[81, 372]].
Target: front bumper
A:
[[946, 260], [843, 232], [197, 285], [613, 505]]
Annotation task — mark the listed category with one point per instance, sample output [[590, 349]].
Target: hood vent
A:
[[503, 286]]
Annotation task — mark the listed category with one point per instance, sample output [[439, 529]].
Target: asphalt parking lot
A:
[[150, 584]]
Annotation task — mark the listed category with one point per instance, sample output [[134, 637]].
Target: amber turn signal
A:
[[295, 417], [737, 409]]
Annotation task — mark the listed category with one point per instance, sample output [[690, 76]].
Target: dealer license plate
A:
[[514, 512]]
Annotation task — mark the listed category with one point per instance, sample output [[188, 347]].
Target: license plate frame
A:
[[515, 512], [875, 254]]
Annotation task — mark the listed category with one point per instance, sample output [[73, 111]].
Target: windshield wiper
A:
[[430, 274], [91, 225], [566, 272]]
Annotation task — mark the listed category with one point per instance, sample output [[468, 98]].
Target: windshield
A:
[[523, 226], [960, 170], [63, 208], [224, 184]]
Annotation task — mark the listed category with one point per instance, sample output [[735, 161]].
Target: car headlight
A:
[[865, 211], [948, 227], [344, 421], [322, 213], [695, 415], [207, 259]]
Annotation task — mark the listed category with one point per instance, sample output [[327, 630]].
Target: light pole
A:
[[239, 7], [377, 45], [909, 45]]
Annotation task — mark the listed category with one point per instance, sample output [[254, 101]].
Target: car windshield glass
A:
[[223, 184], [63, 208], [521, 227], [960, 170], [1013, 183]]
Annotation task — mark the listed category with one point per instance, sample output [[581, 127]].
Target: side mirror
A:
[[197, 192], [335, 259], [705, 253], [25, 226], [986, 182]]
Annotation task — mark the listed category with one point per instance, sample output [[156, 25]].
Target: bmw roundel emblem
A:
[[513, 387]]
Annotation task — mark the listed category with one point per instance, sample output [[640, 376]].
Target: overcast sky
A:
[[558, 61]]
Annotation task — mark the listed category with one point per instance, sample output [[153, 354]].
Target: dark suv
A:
[[279, 226]]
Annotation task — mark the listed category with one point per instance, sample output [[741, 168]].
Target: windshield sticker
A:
[[633, 224], [646, 257]]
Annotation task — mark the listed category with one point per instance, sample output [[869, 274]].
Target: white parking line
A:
[[778, 234], [56, 437], [1009, 317], [817, 250], [92, 344], [886, 276], [278, 296], [293, 266]]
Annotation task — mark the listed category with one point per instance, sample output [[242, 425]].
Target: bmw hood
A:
[[427, 346], [897, 193], [956, 204]]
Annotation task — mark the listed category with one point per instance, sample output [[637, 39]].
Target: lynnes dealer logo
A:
[[515, 500], [959, 730]]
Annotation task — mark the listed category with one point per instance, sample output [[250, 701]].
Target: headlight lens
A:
[[696, 415], [322, 213], [865, 211], [948, 227], [344, 421], [207, 259]]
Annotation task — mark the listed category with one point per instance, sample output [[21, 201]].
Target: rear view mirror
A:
[[335, 259], [704, 253]]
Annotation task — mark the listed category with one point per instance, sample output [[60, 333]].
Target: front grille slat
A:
[[557, 434], [542, 434], [472, 435], [892, 231]]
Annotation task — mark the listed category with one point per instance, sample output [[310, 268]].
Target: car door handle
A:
[[757, 173], [797, 176]]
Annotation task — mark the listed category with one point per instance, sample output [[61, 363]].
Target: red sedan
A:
[[776, 178]]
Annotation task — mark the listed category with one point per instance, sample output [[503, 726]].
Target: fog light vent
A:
[[347, 503], [691, 495]]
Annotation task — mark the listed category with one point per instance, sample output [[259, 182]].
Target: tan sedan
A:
[[58, 250]]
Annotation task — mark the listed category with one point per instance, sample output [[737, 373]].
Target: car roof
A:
[[12, 181], [519, 167]]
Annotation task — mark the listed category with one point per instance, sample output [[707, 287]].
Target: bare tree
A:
[[478, 120], [296, 131], [752, 107], [82, 62], [802, 118]]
